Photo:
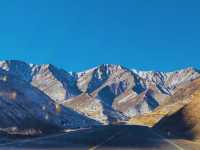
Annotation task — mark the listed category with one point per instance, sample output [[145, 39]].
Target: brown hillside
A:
[[173, 104], [186, 121]]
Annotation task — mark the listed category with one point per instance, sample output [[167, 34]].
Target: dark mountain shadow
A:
[[68, 81], [106, 95], [124, 137], [95, 82], [25, 102], [138, 88], [175, 127], [24, 72], [20, 69], [151, 101]]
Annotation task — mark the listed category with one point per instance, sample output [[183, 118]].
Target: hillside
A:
[[186, 121], [106, 94]]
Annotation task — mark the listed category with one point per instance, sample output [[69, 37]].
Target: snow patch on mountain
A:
[[110, 88]]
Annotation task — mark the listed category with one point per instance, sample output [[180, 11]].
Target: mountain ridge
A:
[[114, 91], [92, 68]]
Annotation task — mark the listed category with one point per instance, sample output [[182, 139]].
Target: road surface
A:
[[100, 138]]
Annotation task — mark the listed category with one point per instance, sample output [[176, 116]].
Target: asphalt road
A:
[[100, 138]]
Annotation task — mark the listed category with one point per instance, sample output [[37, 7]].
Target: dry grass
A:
[[191, 114], [188, 94], [185, 122], [154, 117]]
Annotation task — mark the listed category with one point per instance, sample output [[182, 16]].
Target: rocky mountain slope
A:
[[185, 122], [23, 106], [105, 94], [133, 92]]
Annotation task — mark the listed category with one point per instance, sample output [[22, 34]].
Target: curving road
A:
[[101, 138]]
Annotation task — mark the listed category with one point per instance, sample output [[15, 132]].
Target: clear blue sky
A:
[[79, 34]]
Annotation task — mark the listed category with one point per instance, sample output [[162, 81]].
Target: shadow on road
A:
[[100, 137]]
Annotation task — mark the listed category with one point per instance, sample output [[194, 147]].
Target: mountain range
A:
[[46, 97]]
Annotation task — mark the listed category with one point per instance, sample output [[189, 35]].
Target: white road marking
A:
[[106, 141], [188, 141], [92, 148], [42, 138], [118, 133], [166, 140]]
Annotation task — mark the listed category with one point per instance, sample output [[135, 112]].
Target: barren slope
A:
[[186, 121]]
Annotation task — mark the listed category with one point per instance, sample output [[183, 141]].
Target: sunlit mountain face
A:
[[47, 106], [45, 96]]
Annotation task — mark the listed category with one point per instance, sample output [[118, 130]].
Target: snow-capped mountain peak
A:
[[108, 88]]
